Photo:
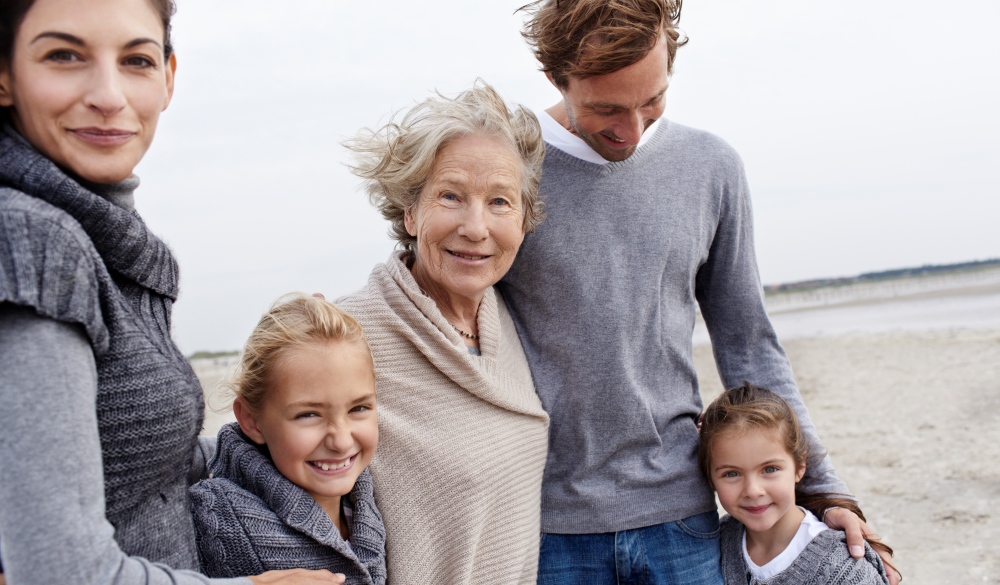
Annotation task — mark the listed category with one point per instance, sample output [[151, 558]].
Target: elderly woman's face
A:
[[468, 221]]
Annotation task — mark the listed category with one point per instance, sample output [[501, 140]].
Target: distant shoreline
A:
[[843, 293]]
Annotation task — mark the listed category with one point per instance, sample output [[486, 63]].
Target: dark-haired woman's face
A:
[[86, 83]]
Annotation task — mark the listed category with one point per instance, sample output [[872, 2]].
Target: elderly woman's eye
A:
[[449, 196], [500, 201]]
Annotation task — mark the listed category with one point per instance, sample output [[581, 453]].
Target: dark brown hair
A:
[[752, 408], [585, 38], [12, 13]]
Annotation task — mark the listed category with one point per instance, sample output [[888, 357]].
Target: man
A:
[[645, 218]]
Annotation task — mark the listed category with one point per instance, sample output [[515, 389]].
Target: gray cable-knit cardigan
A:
[[825, 561], [249, 519]]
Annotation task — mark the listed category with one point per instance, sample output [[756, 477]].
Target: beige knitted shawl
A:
[[462, 438]]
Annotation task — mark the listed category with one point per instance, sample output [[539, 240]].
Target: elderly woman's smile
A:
[[468, 221]]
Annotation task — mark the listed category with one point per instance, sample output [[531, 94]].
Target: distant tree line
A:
[[208, 355]]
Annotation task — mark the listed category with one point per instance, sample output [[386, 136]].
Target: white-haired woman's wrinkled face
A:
[[468, 220]]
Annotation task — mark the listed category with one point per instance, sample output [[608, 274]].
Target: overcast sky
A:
[[869, 130]]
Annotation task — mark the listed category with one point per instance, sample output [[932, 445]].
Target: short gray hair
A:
[[395, 161]]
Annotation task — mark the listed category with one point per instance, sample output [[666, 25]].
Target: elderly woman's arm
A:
[[51, 479]]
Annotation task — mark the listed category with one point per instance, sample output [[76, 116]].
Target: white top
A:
[[810, 527], [561, 138]]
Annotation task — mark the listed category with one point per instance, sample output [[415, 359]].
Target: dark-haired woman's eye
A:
[[62, 56], [140, 61]]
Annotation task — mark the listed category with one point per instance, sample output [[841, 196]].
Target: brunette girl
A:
[[753, 452]]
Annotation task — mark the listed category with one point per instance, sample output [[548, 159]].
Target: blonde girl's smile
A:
[[318, 418]]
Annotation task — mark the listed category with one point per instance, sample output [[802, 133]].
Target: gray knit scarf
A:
[[118, 281], [250, 519]]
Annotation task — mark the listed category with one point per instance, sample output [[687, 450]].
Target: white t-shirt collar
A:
[[808, 529], [555, 135]]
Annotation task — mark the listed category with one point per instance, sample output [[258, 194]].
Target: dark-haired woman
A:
[[99, 410]]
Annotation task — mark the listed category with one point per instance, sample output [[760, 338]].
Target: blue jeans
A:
[[683, 552]]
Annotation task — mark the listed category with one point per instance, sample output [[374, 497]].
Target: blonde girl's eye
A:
[[772, 469]]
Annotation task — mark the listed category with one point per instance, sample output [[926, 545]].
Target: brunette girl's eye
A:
[[361, 408], [771, 469]]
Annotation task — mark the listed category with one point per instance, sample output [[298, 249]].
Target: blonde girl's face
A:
[[755, 476], [86, 83], [319, 420]]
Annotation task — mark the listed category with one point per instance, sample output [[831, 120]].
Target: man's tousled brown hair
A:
[[585, 38]]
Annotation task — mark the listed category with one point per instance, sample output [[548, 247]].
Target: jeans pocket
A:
[[705, 525]]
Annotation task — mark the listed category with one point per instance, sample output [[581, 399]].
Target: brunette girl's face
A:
[[86, 82], [755, 476]]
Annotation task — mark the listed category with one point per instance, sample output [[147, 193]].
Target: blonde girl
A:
[[753, 452], [290, 485]]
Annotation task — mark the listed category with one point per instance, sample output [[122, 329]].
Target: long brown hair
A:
[[750, 407]]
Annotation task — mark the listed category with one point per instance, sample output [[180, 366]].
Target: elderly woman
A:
[[462, 433]]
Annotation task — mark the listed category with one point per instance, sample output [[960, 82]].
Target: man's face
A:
[[610, 112]]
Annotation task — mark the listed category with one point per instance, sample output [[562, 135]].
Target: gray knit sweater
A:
[[100, 411], [604, 295], [825, 561], [251, 519]]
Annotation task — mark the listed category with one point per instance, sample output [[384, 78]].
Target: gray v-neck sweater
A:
[[604, 295]]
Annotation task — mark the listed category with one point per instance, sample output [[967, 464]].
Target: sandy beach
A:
[[903, 384]]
